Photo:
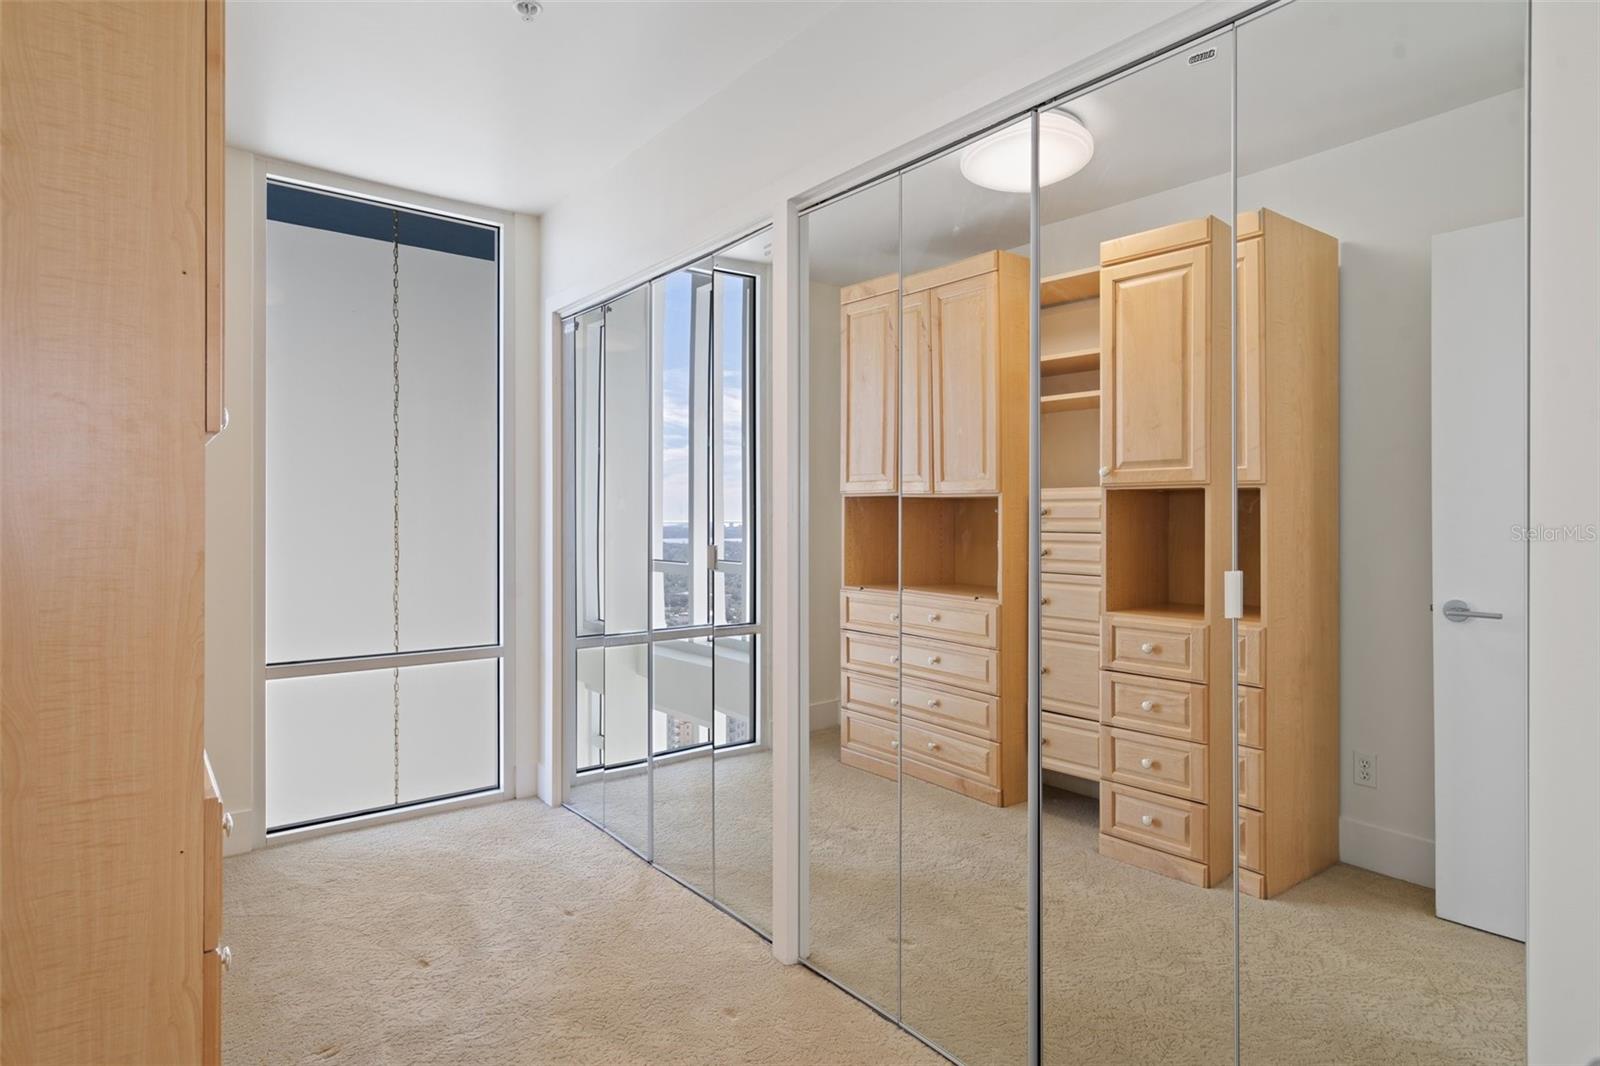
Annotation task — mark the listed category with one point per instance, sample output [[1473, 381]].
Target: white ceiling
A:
[[462, 99]]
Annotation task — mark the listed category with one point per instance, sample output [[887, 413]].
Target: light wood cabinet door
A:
[[868, 381], [916, 394], [1154, 365], [1248, 415], [966, 379]]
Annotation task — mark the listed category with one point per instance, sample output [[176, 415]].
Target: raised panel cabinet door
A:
[[1247, 403], [916, 394], [966, 380], [868, 377], [1153, 376]]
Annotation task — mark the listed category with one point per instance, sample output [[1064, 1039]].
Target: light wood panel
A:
[[869, 384], [103, 399], [965, 355], [870, 542], [916, 393], [1069, 745], [1069, 287], [1247, 280], [216, 181]]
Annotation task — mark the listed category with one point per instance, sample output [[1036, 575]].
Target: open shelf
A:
[[1069, 362], [1070, 287], [1155, 552], [1250, 549], [1087, 400], [871, 542], [952, 542], [968, 592]]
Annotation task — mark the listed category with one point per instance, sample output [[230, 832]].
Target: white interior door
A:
[[1480, 491]]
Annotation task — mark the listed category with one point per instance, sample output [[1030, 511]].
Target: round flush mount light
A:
[[528, 9], [1000, 160]]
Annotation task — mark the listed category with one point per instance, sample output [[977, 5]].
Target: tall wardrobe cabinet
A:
[[110, 386]]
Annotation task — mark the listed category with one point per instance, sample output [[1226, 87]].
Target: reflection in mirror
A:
[[681, 398], [624, 449], [1382, 435], [585, 792], [963, 617], [582, 338], [626, 775], [681, 726], [732, 446], [743, 794], [1135, 532], [851, 249]]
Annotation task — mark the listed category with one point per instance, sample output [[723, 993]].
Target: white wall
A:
[[1564, 575]]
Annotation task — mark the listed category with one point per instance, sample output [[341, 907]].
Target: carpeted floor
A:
[[510, 933]]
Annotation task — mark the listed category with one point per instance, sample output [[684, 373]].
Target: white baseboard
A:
[[1386, 851], [247, 833], [824, 715]]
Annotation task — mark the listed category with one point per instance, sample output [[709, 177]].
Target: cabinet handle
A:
[[1044, 551], [1148, 705], [1148, 648], [1044, 742], [1043, 670], [1146, 763], [1146, 819], [1105, 471], [227, 824], [894, 743]]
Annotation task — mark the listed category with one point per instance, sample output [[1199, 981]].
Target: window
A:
[[383, 489]]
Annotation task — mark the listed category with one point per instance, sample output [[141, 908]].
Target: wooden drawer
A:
[[963, 619], [870, 610], [1069, 674], [866, 694], [1153, 705], [1070, 602], [1252, 717], [965, 712], [1175, 767], [1069, 745], [1252, 778], [1175, 826], [1071, 510], [1070, 553], [1252, 654], [869, 654], [968, 757], [951, 664], [1143, 644], [1250, 839], [869, 734], [210, 1009]]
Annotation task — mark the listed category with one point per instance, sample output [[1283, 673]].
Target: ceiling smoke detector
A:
[[528, 8]]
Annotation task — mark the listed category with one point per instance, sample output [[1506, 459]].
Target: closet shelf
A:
[[1070, 287], [1087, 400], [1164, 612], [971, 592], [1072, 362]]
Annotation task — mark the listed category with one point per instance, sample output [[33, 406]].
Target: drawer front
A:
[[978, 760], [210, 1009], [870, 610], [864, 733], [952, 664], [1252, 717], [1171, 825], [870, 654], [948, 708], [1250, 839], [868, 695], [1069, 745], [1153, 705], [951, 618], [1069, 675], [1252, 778], [1142, 645], [1070, 553], [1252, 654], [1070, 602], [1071, 511], [1174, 767]]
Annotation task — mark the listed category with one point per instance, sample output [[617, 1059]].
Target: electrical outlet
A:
[[1364, 769]]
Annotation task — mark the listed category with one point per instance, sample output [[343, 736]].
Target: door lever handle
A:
[[1458, 611]]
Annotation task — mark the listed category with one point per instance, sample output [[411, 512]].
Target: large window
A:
[[664, 715], [383, 622]]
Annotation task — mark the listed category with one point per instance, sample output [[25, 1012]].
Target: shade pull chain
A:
[[395, 594]]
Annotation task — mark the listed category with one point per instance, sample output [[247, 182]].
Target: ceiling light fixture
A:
[[528, 8], [1000, 160]]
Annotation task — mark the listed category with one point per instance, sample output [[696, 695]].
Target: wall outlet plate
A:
[[1364, 769]]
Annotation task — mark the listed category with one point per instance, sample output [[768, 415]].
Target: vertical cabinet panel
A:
[[916, 395], [1153, 319], [869, 378], [1248, 446], [966, 378]]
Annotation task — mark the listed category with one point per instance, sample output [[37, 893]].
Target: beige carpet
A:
[[511, 933], [1348, 967]]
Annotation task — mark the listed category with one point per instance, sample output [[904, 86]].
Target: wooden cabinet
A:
[[1248, 428], [966, 381], [869, 372], [916, 393], [110, 316]]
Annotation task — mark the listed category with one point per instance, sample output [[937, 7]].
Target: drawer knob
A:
[[934, 617], [1044, 551], [1044, 601], [933, 702], [225, 956], [894, 658], [1147, 705], [1044, 742], [227, 824], [1146, 763], [932, 746], [1044, 512], [1105, 471], [1148, 648], [932, 659], [894, 701], [1043, 670], [894, 616], [1147, 819], [894, 743]]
